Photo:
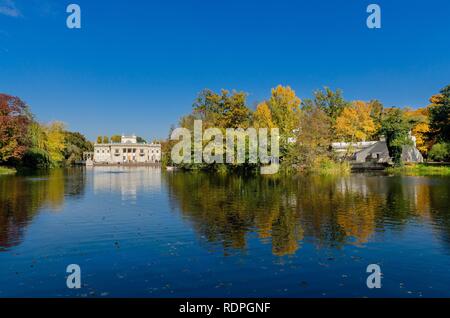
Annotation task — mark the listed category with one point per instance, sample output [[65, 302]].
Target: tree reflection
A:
[[22, 197], [331, 211]]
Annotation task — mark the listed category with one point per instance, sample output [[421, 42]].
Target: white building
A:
[[127, 151]]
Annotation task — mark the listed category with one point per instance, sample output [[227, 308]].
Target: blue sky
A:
[[136, 66]]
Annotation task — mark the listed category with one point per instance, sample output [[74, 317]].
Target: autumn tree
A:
[[419, 119], [99, 139], [262, 117], [355, 122], [55, 141], [284, 106], [105, 140], [314, 136], [116, 138], [14, 121]]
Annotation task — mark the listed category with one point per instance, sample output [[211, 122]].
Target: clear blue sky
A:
[[136, 66]]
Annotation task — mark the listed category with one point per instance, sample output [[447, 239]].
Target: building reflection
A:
[[127, 181]]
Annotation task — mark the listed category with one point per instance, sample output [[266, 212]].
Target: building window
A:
[[124, 150]]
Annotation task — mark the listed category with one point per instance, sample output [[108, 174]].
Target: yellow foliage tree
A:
[[55, 141], [285, 109], [262, 117], [355, 122], [421, 128]]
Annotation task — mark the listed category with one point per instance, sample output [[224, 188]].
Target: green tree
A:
[[105, 140], [440, 151], [395, 127], [99, 139], [225, 110], [75, 144], [440, 115], [332, 103], [140, 140]]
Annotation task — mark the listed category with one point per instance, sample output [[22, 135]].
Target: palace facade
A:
[[127, 151]]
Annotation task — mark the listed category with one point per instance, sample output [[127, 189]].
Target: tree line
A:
[[308, 127], [24, 142]]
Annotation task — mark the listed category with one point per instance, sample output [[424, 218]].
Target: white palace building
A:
[[127, 151]]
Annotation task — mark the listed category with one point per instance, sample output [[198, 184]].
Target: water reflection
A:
[[127, 181], [23, 196], [328, 211], [225, 210]]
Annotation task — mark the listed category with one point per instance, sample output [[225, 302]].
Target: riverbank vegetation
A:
[[308, 127], [7, 170], [421, 170], [26, 143]]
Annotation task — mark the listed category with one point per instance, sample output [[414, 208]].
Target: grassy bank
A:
[[325, 166], [421, 169], [6, 170]]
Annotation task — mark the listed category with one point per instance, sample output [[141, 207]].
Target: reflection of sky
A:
[[126, 181]]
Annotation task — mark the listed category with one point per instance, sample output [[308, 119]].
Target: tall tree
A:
[[225, 110], [284, 106], [395, 127], [332, 103], [262, 117], [440, 115], [314, 136], [355, 122], [14, 121]]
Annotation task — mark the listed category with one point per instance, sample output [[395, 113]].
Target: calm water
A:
[[143, 232]]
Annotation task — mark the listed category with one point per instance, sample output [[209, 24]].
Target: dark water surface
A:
[[143, 232]]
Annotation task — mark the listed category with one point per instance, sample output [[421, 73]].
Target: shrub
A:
[[440, 151]]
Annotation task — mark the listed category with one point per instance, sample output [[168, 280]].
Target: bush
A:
[[37, 158], [440, 151]]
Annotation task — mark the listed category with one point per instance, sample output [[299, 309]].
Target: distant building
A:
[[127, 151], [375, 151]]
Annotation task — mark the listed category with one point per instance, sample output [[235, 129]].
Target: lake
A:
[[143, 232]]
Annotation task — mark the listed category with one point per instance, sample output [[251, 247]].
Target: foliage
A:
[[141, 140], [262, 117], [116, 138], [75, 145], [284, 107], [440, 115], [222, 110], [332, 103], [355, 122], [420, 128], [440, 151], [314, 137], [14, 121], [99, 139], [395, 127], [105, 140]]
